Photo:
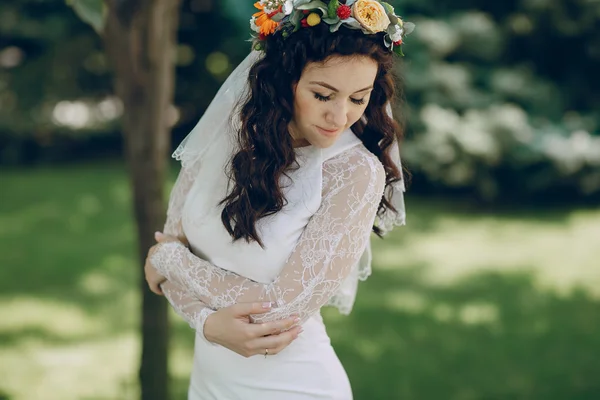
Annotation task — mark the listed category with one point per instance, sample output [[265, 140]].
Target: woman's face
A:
[[329, 98]]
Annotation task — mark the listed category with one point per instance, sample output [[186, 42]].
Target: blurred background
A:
[[491, 290]]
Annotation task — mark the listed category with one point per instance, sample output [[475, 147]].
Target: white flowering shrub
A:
[[502, 100]]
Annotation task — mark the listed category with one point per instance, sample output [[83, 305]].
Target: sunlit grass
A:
[[463, 303], [560, 252]]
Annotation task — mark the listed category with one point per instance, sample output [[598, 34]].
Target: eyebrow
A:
[[335, 90]]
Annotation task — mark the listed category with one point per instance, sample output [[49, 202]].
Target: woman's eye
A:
[[327, 98], [322, 98]]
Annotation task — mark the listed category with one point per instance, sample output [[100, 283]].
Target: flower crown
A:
[[370, 16]]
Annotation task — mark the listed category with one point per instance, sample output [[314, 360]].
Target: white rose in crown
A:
[[371, 15]]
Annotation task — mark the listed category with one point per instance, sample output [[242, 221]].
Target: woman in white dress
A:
[[292, 166]]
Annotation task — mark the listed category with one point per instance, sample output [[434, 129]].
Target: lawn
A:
[[464, 304]]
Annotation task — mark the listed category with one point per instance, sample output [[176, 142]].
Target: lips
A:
[[327, 132]]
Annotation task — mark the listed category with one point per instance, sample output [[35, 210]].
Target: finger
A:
[[152, 284], [151, 251], [275, 327], [278, 350], [278, 340], [183, 240], [161, 237], [155, 288], [276, 343], [245, 309], [271, 342], [295, 332]]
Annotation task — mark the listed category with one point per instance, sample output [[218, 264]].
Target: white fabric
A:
[[395, 192], [316, 250], [311, 248], [189, 308], [216, 119], [327, 222], [217, 122], [308, 369]]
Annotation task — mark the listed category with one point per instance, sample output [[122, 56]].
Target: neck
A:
[[297, 141]]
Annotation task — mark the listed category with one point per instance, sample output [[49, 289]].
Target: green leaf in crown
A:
[[369, 16], [332, 8]]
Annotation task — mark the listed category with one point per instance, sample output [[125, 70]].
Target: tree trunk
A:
[[140, 39]]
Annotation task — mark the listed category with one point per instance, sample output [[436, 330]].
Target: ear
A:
[[294, 87]]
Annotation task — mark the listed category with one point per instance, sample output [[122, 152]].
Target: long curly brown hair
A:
[[266, 149]]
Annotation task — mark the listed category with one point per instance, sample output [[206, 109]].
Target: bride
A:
[[293, 165]]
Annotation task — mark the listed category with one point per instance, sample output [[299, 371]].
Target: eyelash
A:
[[327, 98]]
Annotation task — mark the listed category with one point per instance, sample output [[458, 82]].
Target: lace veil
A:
[[219, 120], [217, 117]]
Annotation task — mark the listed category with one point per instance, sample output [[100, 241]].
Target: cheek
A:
[[304, 106], [355, 115]]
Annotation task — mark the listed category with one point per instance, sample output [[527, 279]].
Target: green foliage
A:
[[332, 8], [48, 56], [502, 97], [498, 310], [59, 73], [92, 12]]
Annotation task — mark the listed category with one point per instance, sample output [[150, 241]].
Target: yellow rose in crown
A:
[[371, 15]]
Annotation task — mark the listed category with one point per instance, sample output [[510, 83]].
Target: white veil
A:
[[217, 121]]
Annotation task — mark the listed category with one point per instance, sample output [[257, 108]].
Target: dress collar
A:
[[346, 140]]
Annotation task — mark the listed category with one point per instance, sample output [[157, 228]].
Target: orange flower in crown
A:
[[370, 16], [263, 21]]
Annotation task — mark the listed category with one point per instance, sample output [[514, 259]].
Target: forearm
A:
[[212, 285], [295, 292], [330, 246], [193, 311]]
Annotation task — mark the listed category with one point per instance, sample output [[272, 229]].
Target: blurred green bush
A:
[[56, 101], [502, 97]]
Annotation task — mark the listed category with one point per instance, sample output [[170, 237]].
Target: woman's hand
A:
[[230, 327], [153, 277]]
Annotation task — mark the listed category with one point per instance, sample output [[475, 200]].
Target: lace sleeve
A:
[[330, 245], [191, 309]]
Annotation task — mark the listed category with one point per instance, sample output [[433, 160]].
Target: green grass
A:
[[463, 304]]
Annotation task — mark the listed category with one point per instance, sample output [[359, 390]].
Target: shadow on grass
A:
[[67, 238], [67, 253], [423, 213], [490, 336]]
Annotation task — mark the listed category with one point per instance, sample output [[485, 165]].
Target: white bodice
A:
[[313, 247], [279, 232]]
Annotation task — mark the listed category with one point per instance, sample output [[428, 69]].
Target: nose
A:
[[337, 115]]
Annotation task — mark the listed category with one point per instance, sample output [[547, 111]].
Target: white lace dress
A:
[[311, 255]]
